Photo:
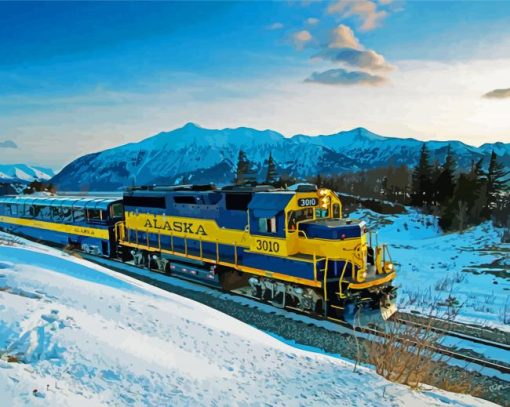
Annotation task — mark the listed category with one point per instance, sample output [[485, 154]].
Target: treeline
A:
[[461, 199], [390, 183], [38, 186]]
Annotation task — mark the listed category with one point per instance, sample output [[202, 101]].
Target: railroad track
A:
[[134, 271], [482, 335], [456, 334]]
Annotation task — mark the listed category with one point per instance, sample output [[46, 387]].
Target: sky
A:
[[77, 78]]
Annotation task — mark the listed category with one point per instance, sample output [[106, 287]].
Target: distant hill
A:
[[198, 155], [22, 173]]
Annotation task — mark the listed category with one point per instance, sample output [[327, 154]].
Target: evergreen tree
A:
[[495, 181], [468, 203], [422, 180], [445, 183], [242, 167], [434, 177], [272, 175], [245, 172]]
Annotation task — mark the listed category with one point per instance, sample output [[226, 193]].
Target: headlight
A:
[[362, 276]]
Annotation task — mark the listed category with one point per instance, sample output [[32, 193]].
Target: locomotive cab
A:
[[364, 269]]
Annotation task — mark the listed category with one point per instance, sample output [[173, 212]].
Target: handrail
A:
[[340, 293], [325, 287], [303, 232], [387, 251]]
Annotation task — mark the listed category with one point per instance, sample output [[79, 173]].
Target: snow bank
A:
[[473, 267], [83, 335]]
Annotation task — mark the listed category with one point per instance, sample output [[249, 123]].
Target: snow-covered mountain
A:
[[195, 154], [13, 173]]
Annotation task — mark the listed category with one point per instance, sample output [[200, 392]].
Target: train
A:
[[289, 247]]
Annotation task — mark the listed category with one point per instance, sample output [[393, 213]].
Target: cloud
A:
[[345, 48], [343, 37], [312, 21], [368, 59], [367, 11], [8, 144], [274, 26], [342, 77], [498, 94], [385, 2], [300, 38]]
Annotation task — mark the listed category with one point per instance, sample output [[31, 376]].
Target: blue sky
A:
[[79, 77]]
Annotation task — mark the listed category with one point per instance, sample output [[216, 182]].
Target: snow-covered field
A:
[[472, 268], [84, 335]]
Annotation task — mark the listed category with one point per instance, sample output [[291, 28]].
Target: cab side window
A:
[[267, 225]]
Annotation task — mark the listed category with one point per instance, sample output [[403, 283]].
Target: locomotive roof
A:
[[68, 201], [268, 204]]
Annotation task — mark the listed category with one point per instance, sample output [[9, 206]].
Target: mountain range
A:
[[22, 173], [192, 154]]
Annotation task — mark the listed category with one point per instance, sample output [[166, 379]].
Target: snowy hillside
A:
[[473, 267], [198, 155], [24, 173], [81, 335]]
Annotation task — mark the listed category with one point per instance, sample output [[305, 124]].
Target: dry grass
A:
[[406, 354], [463, 383]]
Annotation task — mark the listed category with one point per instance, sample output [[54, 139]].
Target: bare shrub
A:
[[407, 354], [444, 284], [459, 277], [404, 353], [419, 297]]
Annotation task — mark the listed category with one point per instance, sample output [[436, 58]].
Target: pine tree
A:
[[245, 170], [495, 180], [422, 180], [479, 209], [272, 175], [445, 183], [242, 167]]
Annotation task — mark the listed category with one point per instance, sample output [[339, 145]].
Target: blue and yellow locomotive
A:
[[292, 248]]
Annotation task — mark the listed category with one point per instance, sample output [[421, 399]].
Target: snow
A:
[[88, 336], [473, 266], [23, 172]]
